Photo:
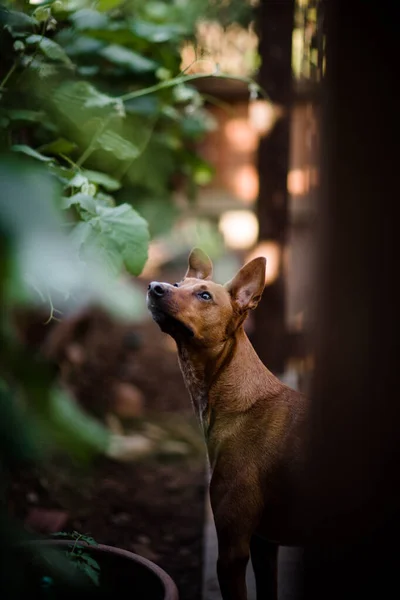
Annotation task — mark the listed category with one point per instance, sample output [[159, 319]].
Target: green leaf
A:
[[30, 152], [77, 181], [44, 257], [134, 62], [30, 116], [50, 49], [118, 146], [87, 18], [84, 201], [77, 100], [158, 33], [89, 572], [72, 428], [101, 249], [108, 182], [15, 19], [60, 146], [115, 236], [83, 45], [130, 231]]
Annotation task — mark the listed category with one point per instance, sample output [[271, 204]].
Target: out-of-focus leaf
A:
[[121, 56], [152, 208], [130, 231], [79, 99], [45, 258], [115, 234], [101, 249], [77, 181], [49, 48], [71, 428], [119, 147], [15, 19], [60, 146], [78, 45], [83, 200], [30, 152], [30, 116], [108, 182], [87, 18], [157, 11], [145, 105], [158, 33]]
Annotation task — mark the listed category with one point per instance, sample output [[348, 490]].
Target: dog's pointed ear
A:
[[200, 265], [247, 286]]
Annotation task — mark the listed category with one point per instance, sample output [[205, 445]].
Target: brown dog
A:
[[252, 423]]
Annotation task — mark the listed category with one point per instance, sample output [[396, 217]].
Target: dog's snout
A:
[[157, 289]]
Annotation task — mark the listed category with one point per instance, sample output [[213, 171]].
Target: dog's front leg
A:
[[264, 558], [236, 516], [233, 556]]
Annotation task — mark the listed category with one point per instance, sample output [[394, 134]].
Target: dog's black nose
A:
[[157, 289]]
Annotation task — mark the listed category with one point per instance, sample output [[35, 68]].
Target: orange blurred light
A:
[[272, 252], [298, 182], [239, 228], [241, 135], [263, 115], [245, 184]]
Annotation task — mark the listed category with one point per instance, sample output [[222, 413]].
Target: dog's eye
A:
[[205, 296], [176, 284]]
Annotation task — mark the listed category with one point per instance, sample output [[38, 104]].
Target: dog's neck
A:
[[227, 378]]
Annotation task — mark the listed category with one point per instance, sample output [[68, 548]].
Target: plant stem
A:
[[185, 79], [8, 75]]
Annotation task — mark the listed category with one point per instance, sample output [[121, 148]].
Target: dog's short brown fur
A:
[[253, 424]]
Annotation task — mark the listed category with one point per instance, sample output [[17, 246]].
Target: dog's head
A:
[[199, 311]]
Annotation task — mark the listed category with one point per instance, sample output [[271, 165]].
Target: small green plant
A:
[[79, 556]]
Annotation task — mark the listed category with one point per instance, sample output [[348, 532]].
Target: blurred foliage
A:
[[98, 127]]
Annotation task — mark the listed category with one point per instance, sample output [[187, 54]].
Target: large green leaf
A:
[[49, 48], [79, 99], [114, 232], [130, 231], [101, 249], [128, 59]]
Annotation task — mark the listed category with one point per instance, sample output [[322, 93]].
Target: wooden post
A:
[[353, 464], [275, 25]]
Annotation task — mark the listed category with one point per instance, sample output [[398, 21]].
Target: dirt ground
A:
[[153, 507]]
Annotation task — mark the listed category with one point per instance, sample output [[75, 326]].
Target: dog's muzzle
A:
[[156, 289], [158, 303]]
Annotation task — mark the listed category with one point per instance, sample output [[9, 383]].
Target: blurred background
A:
[[130, 132]]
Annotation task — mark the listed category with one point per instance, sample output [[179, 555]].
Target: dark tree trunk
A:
[[275, 24], [353, 468]]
